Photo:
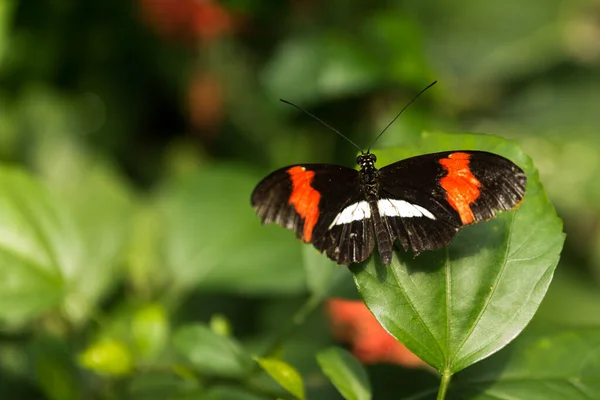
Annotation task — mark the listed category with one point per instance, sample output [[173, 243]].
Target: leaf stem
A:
[[300, 316], [298, 319], [444, 383]]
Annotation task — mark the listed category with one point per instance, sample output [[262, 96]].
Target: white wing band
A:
[[354, 212], [401, 208], [387, 208]]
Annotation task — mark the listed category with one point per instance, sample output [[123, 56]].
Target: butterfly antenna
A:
[[401, 111], [323, 122]]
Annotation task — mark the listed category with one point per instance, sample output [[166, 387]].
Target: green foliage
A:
[[131, 137]]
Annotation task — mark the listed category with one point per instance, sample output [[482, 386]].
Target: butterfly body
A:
[[419, 202]]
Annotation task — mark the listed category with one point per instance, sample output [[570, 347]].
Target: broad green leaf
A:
[[101, 204], [39, 247], [211, 353], [213, 238], [286, 375], [541, 364], [346, 373], [458, 305], [87, 216]]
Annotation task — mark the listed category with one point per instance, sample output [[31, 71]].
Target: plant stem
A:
[[444, 383]]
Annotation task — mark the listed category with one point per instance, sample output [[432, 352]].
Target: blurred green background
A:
[[133, 132]]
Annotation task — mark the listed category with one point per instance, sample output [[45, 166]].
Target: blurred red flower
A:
[[353, 323], [205, 100], [204, 20]]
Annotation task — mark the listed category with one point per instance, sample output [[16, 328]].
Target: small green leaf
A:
[[286, 375], [109, 357], [150, 330], [219, 324], [460, 304], [211, 353], [346, 373]]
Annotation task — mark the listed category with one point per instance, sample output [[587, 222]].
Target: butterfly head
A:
[[366, 160]]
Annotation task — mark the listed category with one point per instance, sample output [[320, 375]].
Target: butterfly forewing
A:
[[308, 198]]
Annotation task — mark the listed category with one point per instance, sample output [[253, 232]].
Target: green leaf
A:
[[346, 374], [150, 330], [286, 375], [211, 353], [108, 357], [213, 238], [541, 364], [101, 203], [39, 247], [458, 305]]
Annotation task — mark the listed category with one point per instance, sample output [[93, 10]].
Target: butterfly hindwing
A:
[[456, 188]]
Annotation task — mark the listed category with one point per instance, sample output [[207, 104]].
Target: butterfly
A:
[[419, 202]]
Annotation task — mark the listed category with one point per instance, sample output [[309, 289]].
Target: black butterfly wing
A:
[[456, 188], [307, 198]]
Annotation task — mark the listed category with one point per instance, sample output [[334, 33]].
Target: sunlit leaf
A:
[[108, 357], [101, 203], [460, 304], [150, 330], [286, 375], [39, 247], [346, 373], [211, 353]]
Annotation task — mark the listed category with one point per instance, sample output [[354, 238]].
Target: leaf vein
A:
[[420, 320], [491, 294], [414, 309]]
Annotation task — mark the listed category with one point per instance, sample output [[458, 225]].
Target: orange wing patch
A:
[[461, 186], [305, 198]]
